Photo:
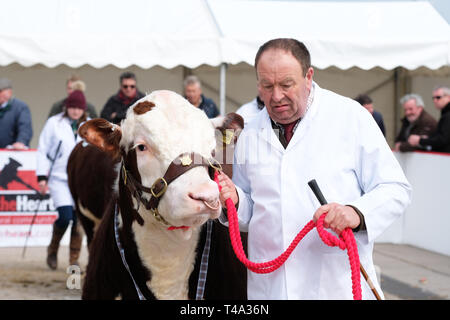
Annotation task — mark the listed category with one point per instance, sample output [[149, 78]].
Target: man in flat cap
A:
[[15, 119]]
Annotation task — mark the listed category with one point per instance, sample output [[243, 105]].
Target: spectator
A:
[[57, 139], [249, 110], [16, 128], [322, 136], [193, 93], [117, 105], [73, 83], [416, 121], [440, 140], [367, 103]]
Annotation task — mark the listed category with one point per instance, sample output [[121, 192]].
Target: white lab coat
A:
[[248, 111], [57, 128], [339, 144]]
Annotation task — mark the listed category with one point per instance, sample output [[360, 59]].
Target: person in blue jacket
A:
[[16, 128], [367, 103], [193, 93]]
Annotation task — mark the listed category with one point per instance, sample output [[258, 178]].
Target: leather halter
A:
[[181, 164]]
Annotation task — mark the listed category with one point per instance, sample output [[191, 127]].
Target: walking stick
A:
[[315, 188], [40, 198]]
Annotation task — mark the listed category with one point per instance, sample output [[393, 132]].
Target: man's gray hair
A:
[[192, 80], [444, 88], [416, 97]]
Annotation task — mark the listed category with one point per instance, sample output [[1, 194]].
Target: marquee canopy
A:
[[148, 33]]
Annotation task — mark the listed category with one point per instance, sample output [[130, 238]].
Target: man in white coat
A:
[[304, 133]]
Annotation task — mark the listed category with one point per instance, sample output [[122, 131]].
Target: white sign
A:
[[20, 203]]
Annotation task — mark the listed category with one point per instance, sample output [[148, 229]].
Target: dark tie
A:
[[289, 130]]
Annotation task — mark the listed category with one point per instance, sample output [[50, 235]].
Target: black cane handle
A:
[[315, 188]]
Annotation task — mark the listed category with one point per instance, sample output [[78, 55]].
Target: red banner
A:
[[20, 202]]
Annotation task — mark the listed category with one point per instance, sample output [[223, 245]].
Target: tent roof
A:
[[194, 32], [102, 32], [341, 34]]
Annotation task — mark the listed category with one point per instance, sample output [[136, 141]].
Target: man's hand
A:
[[338, 217], [228, 189], [414, 140], [43, 187], [19, 146]]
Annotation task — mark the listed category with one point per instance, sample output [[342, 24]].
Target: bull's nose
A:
[[209, 196]]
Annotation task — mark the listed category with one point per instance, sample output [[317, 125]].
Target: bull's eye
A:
[[142, 147]]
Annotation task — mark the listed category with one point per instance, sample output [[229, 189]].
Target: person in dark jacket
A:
[[367, 103], [16, 128], [193, 93], [440, 140], [117, 105], [416, 121]]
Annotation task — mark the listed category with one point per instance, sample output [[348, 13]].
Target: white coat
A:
[[248, 111], [57, 128], [339, 144]]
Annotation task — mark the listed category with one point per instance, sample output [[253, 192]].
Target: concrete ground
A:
[[411, 273], [407, 273]]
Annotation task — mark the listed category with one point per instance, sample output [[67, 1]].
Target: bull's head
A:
[[163, 136]]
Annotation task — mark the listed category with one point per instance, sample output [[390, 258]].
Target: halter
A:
[[181, 164]]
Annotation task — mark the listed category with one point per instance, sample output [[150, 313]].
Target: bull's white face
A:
[[160, 135]]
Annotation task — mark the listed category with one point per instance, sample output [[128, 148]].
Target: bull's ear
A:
[[230, 125], [102, 134]]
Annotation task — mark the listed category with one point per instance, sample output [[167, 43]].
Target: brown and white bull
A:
[[149, 243], [92, 172]]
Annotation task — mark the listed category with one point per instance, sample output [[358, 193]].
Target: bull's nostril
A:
[[211, 202], [213, 206]]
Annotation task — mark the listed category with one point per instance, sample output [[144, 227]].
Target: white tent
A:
[[147, 33], [340, 34], [98, 33], [41, 42]]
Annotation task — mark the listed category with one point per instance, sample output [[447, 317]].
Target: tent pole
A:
[[222, 93]]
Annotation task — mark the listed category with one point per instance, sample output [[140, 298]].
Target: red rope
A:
[[346, 240]]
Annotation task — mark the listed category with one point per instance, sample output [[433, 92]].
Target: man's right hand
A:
[[43, 187], [228, 189]]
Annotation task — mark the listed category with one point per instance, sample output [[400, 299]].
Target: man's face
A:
[[69, 89], [193, 93], [412, 110], [5, 95], [282, 86], [128, 87], [440, 99]]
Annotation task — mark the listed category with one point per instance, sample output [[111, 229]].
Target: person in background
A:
[[58, 137], [117, 105], [440, 140], [16, 129], [367, 103], [72, 83], [249, 110], [193, 93], [416, 121], [304, 133]]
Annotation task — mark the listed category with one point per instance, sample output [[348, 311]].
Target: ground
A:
[[29, 278], [407, 273]]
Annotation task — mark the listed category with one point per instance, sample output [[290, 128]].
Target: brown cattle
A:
[[147, 248]]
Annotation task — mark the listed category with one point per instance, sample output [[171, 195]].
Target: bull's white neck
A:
[[170, 257]]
